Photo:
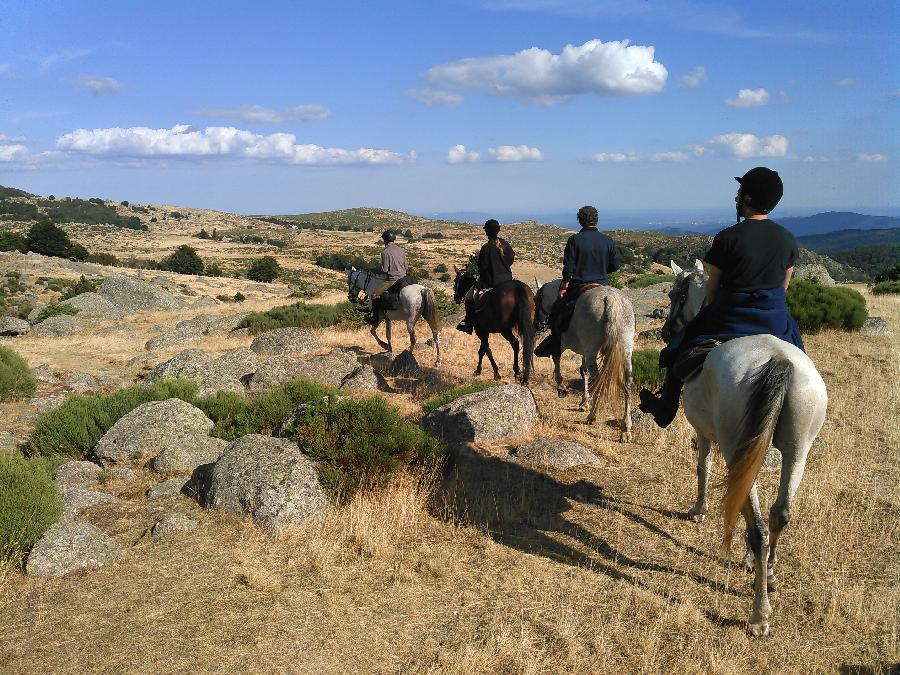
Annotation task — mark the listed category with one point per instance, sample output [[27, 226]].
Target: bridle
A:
[[353, 291], [457, 283], [677, 299], [543, 323]]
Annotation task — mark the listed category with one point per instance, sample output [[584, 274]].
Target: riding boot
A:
[[466, 324], [372, 319], [663, 405], [550, 346]]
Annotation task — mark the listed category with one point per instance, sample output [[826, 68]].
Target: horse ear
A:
[[698, 265], [352, 269], [537, 284], [675, 268], [456, 270]]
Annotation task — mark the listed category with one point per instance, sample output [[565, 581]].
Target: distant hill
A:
[[843, 240], [832, 221], [363, 217]]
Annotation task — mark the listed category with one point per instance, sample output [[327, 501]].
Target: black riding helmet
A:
[[492, 228], [388, 236], [763, 186]]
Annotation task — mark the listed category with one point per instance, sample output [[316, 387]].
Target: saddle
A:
[[566, 311], [689, 363], [390, 299]]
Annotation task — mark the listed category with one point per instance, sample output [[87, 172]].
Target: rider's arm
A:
[[788, 273], [615, 259], [712, 284], [384, 260]]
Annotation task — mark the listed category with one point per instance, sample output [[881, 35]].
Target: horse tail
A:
[[525, 326], [611, 378], [769, 385], [430, 310]]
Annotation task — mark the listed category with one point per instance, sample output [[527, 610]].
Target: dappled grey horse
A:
[[602, 329], [416, 302], [752, 392]]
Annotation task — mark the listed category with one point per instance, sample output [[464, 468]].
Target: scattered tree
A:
[[47, 239], [264, 269], [183, 261]]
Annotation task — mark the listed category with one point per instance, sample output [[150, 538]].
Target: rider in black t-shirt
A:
[[750, 262]]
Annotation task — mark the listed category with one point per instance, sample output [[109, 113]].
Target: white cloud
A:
[[743, 146], [257, 114], [668, 157], [515, 153], [459, 155], [749, 98], [97, 84], [15, 152], [11, 139], [846, 82], [876, 157], [62, 57], [614, 157], [894, 94], [543, 78], [631, 157], [693, 79], [811, 159], [433, 96], [181, 141]]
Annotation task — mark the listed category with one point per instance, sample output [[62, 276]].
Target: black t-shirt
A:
[[754, 254]]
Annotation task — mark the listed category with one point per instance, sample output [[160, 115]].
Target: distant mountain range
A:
[[841, 240], [833, 221]]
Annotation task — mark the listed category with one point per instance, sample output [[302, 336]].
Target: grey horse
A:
[[416, 302], [752, 392], [602, 328]]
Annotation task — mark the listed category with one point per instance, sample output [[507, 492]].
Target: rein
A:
[[351, 286]]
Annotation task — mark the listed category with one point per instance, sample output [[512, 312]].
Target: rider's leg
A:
[[376, 301], [552, 344], [664, 405], [466, 324]]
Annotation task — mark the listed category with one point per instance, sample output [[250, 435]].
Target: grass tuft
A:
[[29, 504], [446, 397]]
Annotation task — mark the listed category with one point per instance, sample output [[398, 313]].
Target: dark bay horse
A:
[[507, 309]]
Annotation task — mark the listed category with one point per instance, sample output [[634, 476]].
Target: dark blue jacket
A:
[[590, 255]]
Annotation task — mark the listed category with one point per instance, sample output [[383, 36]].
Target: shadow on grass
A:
[[523, 509]]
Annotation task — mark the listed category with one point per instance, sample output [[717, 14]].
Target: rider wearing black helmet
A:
[[495, 261], [394, 266], [750, 265]]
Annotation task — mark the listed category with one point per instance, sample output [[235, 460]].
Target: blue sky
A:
[[506, 105]]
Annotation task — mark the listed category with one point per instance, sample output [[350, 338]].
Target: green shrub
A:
[[10, 241], [644, 280], [56, 310], [440, 268], [264, 269], [104, 259], [77, 252], [883, 287], [48, 239], [446, 397], [889, 274], [93, 211], [343, 314], [446, 306], [29, 504], [816, 307], [74, 428], [83, 285], [645, 369], [212, 269], [16, 381], [239, 297], [445, 277], [360, 443], [344, 261], [183, 261]]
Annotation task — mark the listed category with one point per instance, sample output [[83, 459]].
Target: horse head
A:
[[355, 284], [462, 283], [687, 297]]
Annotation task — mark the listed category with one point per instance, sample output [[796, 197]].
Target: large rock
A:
[[285, 341], [405, 365], [42, 373], [167, 489], [193, 330], [184, 457], [151, 427], [93, 305], [875, 325], [364, 378], [485, 416], [187, 365], [77, 499], [171, 523], [10, 326], [268, 479], [225, 373], [60, 325], [555, 454], [330, 370], [77, 474], [81, 382], [814, 272], [133, 295], [69, 546]]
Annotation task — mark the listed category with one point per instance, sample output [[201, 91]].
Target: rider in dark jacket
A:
[[495, 261], [589, 258]]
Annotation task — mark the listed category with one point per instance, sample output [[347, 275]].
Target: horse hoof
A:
[[626, 437], [749, 562], [497, 377], [697, 515], [771, 583], [562, 393], [759, 629], [591, 419], [477, 373]]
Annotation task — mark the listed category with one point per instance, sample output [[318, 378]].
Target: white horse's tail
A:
[[612, 353], [769, 385], [430, 310]]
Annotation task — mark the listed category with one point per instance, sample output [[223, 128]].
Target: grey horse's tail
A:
[[769, 385], [430, 310], [525, 327], [611, 378]]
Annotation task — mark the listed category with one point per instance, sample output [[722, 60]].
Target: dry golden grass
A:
[[503, 568]]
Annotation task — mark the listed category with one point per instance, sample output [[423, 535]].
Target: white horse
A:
[[752, 392], [602, 327], [416, 302]]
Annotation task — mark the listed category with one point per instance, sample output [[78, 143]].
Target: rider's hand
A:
[[562, 290]]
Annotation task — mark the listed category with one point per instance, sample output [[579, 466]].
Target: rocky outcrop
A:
[[813, 272], [167, 489], [555, 454], [170, 524], [77, 499], [133, 295], [330, 370], [875, 325], [81, 383], [10, 326], [267, 479], [187, 365], [485, 416], [77, 474], [194, 330], [93, 305], [69, 546], [59, 326], [364, 378], [286, 341], [225, 373], [151, 427], [42, 373], [187, 457]]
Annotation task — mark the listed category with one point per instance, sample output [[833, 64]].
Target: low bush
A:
[[440, 268], [433, 235], [16, 381], [446, 397], [48, 239], [644, 280], [29, 504], [889, 274], [645, 369], [104, 259], [816, 307], [883, 287], [10, 241], [239, 297], [264, 269], [83, 285], [55, 310], [344, 261], [360, 443], [183, 261], [304, 315]]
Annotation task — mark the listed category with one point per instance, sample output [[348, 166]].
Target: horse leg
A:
[[382, 343], [629, 379], [436, 336], [591, 371], [792, 468], [514, 343], [482, 350], [699, 510], [490, 356], [585, 380], [411, 328], [561, 389], [757, 542]]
